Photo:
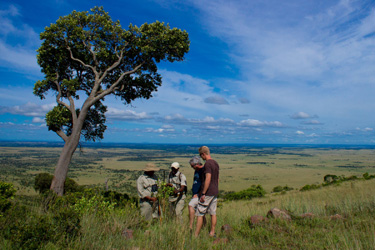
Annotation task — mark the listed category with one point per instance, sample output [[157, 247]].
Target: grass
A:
[[353, 200]]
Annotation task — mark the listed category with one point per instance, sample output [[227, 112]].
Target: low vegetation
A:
[[341, 216]]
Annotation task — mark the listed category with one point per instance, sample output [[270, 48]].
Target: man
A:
[[208, 200], [147, 192], [177, 180], [196, 164]]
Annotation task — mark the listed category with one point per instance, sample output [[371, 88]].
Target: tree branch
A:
[[114, 85], [81, 62], [62, 135]]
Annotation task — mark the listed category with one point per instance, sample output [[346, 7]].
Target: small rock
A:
[[127, 233], [337, 217], [308, 215], [226, 229], [278, 213], [257, 219], [221, 241]]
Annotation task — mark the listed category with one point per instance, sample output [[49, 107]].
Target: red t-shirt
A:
[[212, 167]]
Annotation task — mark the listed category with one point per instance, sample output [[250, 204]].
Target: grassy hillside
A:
[[354, 201]]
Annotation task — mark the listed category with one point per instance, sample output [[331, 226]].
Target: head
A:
[[204, 152], [175, 166], [150, 169], [195, 162]]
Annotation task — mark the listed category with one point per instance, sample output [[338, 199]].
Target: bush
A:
[[309, 187], [7, 192], [281, 189], [43, 183], [248, 194]]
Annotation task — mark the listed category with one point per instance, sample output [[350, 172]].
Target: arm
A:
[[206, 185], [141, 192]]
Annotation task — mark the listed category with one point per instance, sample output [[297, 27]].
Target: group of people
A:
[[205, 190]]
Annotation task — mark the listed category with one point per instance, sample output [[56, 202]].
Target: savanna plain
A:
[[341, 215]]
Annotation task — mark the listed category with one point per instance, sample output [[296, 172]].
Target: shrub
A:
[[309, 187], [43, 183], [7, 192], [281, 189], [247, 194]]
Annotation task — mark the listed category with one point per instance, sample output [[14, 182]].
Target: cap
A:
[[175, 165]]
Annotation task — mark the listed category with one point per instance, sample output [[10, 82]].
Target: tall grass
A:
[[353, 200]]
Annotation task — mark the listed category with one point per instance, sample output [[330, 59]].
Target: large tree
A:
[[87, 54]]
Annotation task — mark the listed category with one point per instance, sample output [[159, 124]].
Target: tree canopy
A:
[[86, 53]]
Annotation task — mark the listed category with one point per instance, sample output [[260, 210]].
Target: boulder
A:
[[257, 219], [278, 214], [308, 215]]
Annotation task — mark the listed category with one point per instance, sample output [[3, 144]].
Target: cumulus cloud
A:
[[301, 115], [126, 115], [300, 132], [216, 100], [28, 109], [257, 123], [38, 120], [312, 122]]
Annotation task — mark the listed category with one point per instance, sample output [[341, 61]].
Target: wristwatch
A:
[[203, 194]]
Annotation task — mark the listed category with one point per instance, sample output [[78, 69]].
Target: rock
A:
[[226, 229], [127, 233], [308, 215], [257, 219], [221, 241], [278, 213], [336, 217]]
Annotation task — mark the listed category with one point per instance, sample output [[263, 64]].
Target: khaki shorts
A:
[[208, 206], [194, 203]]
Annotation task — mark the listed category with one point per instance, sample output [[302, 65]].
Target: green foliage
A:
[[281, 189], [248, 194], [366, 176], [89, 53], [7, 192], [43, 182], [310, 187], [28, 229]]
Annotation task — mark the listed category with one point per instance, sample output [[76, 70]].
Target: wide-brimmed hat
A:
[[175, 165], [150, 167]]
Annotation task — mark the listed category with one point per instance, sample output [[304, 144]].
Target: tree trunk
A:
[[62, 166]]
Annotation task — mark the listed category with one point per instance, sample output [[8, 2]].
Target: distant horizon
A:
[[98, 144]]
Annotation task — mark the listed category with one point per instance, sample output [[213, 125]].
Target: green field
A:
[[240, 167]]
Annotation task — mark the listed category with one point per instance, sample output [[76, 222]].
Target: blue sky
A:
[[258, 71]]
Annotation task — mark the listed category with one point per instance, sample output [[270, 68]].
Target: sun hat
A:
[[150, 167], [175, 165]]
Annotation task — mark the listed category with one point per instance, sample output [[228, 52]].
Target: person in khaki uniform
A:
[[177, 180], [147, 191]]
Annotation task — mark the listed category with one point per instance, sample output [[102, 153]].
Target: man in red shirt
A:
[[210, 191]]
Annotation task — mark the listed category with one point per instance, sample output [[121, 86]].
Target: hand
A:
[[195, 196], [202, 198], [169, 185], [176, 191], [153, 199]]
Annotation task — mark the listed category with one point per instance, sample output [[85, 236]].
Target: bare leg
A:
[[191, 216], [199, 225], [213, 224]]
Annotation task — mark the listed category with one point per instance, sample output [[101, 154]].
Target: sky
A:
[[258, 72]]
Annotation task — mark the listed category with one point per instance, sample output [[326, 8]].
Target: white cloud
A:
[[216, 100], [300, 132], [38, 120], [257, 123], [28, 109], [117, 114]]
